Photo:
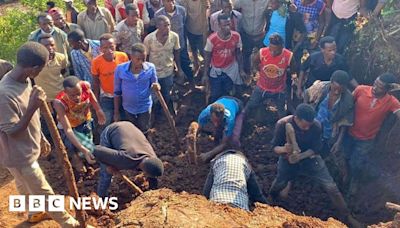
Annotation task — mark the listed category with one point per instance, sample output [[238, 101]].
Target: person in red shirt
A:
[[103, 67], [223, 54], [272, 64], [75, 119], [372, 105]]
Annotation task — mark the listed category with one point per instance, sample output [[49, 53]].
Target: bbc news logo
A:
[[56, 203]]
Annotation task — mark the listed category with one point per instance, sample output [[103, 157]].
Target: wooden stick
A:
[[63, 158], [291, 137], [191, 140], [134, 187], [171, 121], [392, 206]]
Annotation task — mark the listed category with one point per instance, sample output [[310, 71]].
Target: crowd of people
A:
[[103, 65]]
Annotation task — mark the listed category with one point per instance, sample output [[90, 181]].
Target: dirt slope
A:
[[164, 208]]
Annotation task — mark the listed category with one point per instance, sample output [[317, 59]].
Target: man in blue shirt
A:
[[334, 105], [224, 114], [132, 83]]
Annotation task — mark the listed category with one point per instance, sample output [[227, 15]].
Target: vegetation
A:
[[375, 46], [17, 23]]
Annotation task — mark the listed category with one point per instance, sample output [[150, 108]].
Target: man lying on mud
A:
[[232, 181]]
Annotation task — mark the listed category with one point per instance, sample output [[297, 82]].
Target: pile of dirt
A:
[[164, 208]]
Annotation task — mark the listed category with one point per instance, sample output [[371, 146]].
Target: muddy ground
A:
[[164, 208], [305, 197]]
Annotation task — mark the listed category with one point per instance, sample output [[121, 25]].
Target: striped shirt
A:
[[178, 20], [82, 64]]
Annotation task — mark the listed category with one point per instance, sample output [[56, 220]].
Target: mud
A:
[[305, 198], [164, 208]]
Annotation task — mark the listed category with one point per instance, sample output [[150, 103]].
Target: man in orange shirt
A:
[[103, 67], [372, 105]]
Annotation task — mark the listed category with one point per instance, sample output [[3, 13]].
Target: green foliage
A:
[[17, 24], [15, 28], [41, 4]]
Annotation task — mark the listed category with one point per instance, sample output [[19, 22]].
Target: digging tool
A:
[[207, 92], [392, 206], [191, 140], [156, 89], [295, 156], [134, 187], [63, 158]]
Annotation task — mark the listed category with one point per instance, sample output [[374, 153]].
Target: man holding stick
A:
[[306, 161], [21, 141], [124, 146], [132, 86]]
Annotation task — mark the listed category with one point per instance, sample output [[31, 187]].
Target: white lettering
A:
[[37, 203], [86, 203], [75, 204], [113, 203], [16, 203], [100, 202]]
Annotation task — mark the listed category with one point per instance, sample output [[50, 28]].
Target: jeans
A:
[[140, 120], [107, 104], [196, 43], [357, 155], [258, 96], [220, 86], [186, 63], [250, 42], [30, 180], [166, 88], [314, 168], [342, 30]]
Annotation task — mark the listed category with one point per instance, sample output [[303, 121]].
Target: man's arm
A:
[[62, 118], [208, 185], [110, 20], [36, 99], [363, 8], [177, 59], [99, 112], [321, 26], [353, 83], [96, 86], [117, 104], [207, 61], [293, 65], [239, 59], [397, 113], [336, 146], [117, 95], [305, 67], [75, 64], [206, 157], [378, 8], [256, 62]]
